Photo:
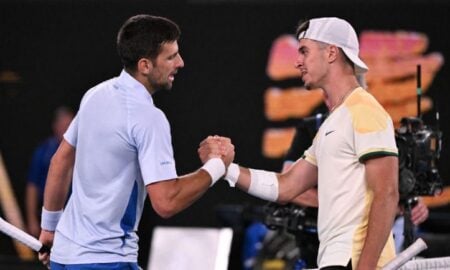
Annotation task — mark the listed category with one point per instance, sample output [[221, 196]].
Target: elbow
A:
[[165, 215], [164, 210], [287, 194], [283, 201], [163, 198], [395, 196], [284, 197]]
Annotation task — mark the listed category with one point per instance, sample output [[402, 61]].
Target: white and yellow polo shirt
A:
[[355, 131]]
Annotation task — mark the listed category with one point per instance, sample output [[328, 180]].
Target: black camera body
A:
[[291, 218], [419, 150]]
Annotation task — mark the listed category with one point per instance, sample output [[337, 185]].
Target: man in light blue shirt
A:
[[119, 148]]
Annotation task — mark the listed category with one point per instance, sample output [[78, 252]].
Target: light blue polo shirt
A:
[[122, 143]]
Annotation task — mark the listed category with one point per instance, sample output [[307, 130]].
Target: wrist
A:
[[215, 168], [232, 175], [50, 219]]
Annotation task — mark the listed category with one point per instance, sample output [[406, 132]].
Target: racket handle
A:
[[44, 249]]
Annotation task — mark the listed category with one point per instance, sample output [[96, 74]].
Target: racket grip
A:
[[44, 249]]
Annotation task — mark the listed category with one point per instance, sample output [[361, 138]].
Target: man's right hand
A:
[[46, 238]]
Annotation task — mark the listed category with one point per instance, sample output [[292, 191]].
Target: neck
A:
[[341, 99], [339, 92], [339, 83], [143, 80]]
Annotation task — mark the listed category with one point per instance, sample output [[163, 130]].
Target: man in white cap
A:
[[353, 158]]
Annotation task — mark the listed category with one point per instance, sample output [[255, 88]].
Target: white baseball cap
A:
[[337, 32]]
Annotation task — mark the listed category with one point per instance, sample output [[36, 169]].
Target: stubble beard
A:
[[307, 86], [160, 86]]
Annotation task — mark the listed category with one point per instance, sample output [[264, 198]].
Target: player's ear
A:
[[332, 53], [145, 65]]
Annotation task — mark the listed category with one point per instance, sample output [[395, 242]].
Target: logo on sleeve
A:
[[329, 132]]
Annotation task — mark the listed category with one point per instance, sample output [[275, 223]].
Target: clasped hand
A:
[[216, 146]]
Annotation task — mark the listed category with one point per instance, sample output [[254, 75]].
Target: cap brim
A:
[[360, 66]]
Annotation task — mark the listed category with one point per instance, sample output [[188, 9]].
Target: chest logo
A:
[[329, 132]]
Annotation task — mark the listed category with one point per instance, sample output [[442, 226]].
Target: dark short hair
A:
[[142, 36], [302, 26]]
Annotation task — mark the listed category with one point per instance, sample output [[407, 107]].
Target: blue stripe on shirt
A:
[[129, 218]]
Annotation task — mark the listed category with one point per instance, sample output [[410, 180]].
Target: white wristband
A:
[[216, 169], [49, 219], [232, 175]]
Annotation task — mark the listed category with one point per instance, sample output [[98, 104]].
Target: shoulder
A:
[[108, 84], [149, 118], [366, 113]]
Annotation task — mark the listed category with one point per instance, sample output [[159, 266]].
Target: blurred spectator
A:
[[39, 167]]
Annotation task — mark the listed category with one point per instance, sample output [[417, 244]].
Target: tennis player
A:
[[117, 150]]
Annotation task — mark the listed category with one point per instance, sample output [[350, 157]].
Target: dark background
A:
[[62, 48]]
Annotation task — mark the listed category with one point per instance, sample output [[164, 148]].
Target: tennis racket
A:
[[22, 236]]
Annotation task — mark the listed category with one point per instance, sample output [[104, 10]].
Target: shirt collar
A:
[[128, 81]]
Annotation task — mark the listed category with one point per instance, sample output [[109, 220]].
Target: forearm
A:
[[259, 183], [186, 190], [281, 188], [172, 196]]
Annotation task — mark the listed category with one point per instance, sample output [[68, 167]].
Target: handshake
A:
[[211, 151], [216, 147], [217, 154]]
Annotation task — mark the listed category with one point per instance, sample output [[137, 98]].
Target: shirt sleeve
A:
[[374, 135], [154, 146], [310, 153], [71, 134]]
